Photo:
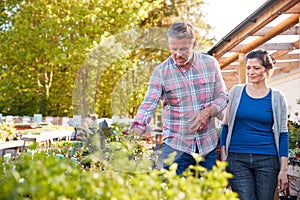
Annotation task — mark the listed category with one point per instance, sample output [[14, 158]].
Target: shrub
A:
[[122, 170], [43, 176]]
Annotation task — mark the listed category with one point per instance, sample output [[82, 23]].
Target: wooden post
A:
[[242, 68], [299, 40]]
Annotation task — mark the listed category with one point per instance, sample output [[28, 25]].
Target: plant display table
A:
[[14, 145], [294, 179], [294, 170], [47, 137]]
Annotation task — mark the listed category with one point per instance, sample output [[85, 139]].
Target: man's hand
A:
[[200, 118]]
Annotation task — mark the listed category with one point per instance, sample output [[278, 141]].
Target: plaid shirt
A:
[[182, 94]]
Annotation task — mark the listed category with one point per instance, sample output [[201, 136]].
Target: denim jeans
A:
[[254, 176], [184, 160]]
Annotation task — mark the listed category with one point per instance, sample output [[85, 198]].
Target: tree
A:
[[49, 63], [49, 40], [122, 88]]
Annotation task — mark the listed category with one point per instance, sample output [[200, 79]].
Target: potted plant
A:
[[297, 154], [8, 130], [3, 135], [294, 135]]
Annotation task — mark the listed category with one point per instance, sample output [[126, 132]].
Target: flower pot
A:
[[297, 156]]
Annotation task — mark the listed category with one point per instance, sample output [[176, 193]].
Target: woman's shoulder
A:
[[277, 92], [278, 96], [237, 88]]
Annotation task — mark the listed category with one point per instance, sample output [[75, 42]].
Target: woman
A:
[[254, 135]]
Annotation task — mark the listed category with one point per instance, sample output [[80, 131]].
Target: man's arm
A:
[[148, 106], [218, 104], [220, 97]]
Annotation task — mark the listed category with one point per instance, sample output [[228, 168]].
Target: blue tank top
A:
[[252, 131]]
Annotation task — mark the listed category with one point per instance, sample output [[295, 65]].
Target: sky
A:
[[225, 15]]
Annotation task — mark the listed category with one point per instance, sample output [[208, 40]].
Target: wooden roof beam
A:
[[292, 31], [287, 65], [279, 64], [268, 46], [294, 10], [296, 44], [259, 19], [286, 69], [288, 57], [279, 54], [283, 26]]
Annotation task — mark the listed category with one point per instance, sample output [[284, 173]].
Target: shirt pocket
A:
[[174, 93], [204, 88]]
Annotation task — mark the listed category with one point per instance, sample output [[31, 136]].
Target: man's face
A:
[[181, 50]]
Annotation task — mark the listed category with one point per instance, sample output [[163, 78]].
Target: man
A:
[[193, 93]]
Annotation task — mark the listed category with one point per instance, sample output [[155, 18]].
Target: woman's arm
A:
[[283, 174], [223, 136]]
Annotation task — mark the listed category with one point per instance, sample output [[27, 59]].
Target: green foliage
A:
[[47, 177], [43, 44], [294, 135], [54, 174]]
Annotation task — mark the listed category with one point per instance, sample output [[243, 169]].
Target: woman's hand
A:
[[223, 153], [283, 175]]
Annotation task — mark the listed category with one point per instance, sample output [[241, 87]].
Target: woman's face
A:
[[255, 71], [181, 50]]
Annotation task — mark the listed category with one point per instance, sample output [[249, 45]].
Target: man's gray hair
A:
[[181, 30]]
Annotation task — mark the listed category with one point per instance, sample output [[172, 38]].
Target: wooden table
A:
[[13, 145]]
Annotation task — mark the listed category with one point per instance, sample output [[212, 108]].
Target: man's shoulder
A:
[[165, 64], [205, 56]]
